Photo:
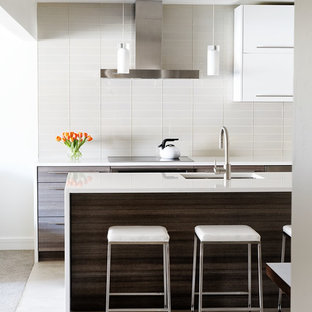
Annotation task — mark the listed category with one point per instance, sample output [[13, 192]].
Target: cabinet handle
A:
[[57, 172], [55, 189], [274, 95], [55, 223], [275, 47]]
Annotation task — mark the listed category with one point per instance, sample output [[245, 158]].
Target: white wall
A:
[[302, 194], [18, 102], [130, 117], [24, 12]]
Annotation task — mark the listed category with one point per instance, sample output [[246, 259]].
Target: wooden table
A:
[[280, 274]]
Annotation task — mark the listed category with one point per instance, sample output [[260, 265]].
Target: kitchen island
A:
[[96, 201]]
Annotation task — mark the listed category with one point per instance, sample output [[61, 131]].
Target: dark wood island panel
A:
[[139, 268]]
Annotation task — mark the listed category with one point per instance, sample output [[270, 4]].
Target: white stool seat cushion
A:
[[287, 230], [137, 234], [226, 233]]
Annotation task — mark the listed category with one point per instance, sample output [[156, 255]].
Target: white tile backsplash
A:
[[131, 117]]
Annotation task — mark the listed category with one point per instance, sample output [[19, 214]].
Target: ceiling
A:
[[179, 1]]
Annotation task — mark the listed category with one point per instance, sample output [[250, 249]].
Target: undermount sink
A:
[[234, 176]]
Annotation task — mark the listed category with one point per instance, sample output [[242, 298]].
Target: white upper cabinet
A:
[[267, 79], [263, 53], [268, 28]]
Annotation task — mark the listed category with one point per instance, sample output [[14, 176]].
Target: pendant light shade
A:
[[213, 60], [123, 59], [213, 53]]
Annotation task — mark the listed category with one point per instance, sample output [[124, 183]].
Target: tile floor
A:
[[44, 291]]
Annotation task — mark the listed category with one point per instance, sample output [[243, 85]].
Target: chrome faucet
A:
[[226, 169]]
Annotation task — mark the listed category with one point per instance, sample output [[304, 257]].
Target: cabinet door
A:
[[51, 199], [51, 234], [268, 77], [268, 28]]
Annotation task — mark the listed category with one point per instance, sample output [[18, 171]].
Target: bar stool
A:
[[136, 235], [226, 234], [287, 232]]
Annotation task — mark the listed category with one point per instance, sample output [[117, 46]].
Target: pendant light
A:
[[123, 54], [213, 52]]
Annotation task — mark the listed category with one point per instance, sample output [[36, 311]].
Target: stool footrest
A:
[[139, 310], [224, 293], [138, 294], [229, 309]]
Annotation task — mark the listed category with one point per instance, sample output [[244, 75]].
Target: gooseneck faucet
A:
[[224, 144]]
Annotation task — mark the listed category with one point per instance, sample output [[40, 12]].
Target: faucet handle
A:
[[215, 167]]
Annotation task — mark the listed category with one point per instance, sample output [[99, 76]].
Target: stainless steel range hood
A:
[[148, 21]]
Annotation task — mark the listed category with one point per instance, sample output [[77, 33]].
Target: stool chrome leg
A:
[[168, 277], [280, 293], [108, 276], [194, 273], [249, 275], [260, 278], [201, 271], [165, 275]]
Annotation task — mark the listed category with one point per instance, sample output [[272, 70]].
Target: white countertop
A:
[[173, 182], [197, 161]]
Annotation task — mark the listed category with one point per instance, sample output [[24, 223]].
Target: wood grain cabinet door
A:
[[51, 199], [51, 234]]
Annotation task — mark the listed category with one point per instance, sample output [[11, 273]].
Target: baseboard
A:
[[16, 243]]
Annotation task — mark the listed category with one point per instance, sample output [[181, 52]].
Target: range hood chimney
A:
[[148, 21]]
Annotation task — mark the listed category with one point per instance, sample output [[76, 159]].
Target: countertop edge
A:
[[206, 190], [159, 164]]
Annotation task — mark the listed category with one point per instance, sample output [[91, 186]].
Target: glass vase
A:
[[74, 154]]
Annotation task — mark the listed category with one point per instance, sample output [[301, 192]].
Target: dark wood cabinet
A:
[[50, 238], [50, 208], [139, 267], [51, 199]]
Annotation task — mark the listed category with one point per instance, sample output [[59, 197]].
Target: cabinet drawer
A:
[[51, 199], [59, 174], [51, 234]]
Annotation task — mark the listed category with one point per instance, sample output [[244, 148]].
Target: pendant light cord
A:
[[123, 23], [213, 25]]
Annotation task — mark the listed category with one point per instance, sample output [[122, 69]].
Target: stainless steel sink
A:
[[212, 176]]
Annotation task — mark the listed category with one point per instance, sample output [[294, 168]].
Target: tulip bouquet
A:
[[74, 141]]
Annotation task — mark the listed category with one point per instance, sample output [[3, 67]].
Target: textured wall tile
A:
[[146, 116], [116, 117], [133, 116], [177, 113]]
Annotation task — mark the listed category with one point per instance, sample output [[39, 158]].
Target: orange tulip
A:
[[72, 133], [63, 139], [72, 139], [80, 134], [75, 136], [85, 134], [58, 138], [89, 138], [66, 134]]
